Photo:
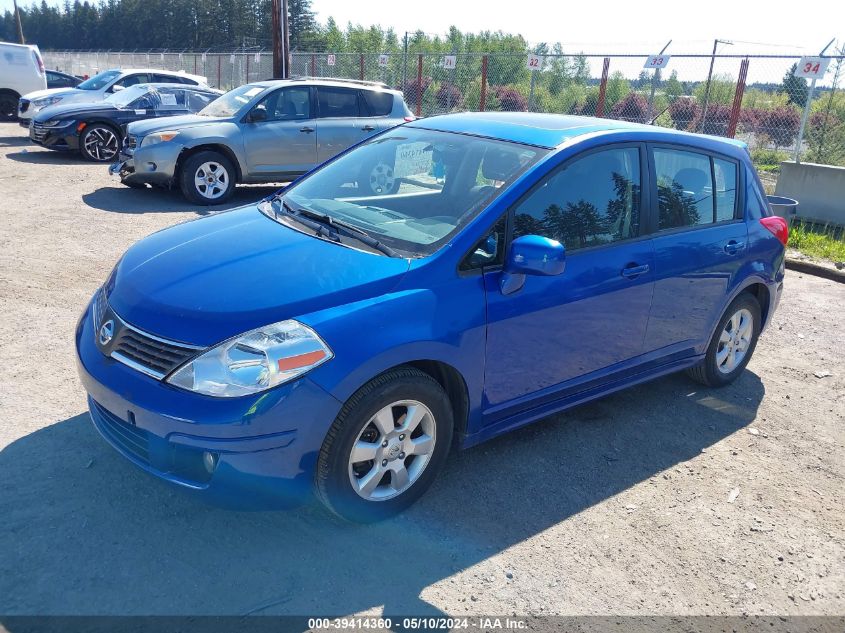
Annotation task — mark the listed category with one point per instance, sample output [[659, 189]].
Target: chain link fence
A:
[[753, 98]]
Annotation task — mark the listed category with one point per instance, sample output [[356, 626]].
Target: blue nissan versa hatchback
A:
[[336, 340]]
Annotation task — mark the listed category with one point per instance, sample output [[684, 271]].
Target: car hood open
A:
[[204, 281]]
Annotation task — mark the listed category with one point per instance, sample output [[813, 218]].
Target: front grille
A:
[[144, 352], [37, 132], [158, 357], [127, 436], [23, 105]]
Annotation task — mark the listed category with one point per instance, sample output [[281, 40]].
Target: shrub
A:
[[715, 121], [751, 119], [414, 89], [510, 99], [683, 112], [449, 97], [781, 124], [632, 107], [826, 139]]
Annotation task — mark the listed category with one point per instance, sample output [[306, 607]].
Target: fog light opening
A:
[[209, 460], [151, 166]]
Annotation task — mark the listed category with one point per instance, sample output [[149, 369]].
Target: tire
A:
[[99, 143], [208, 164], [360, 423], [379, 180], [8, 106], [721, 365]]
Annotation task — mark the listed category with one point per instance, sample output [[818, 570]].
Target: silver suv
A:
[[269, 131]]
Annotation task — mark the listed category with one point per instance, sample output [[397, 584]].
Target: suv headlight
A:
[[159, 137], [254, 361], [46, 101]]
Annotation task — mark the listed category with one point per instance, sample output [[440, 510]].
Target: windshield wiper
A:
[[321, 222]]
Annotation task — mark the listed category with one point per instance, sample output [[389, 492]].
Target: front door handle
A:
[[632, 271], [732, 247], [307, 130], [368, 128]]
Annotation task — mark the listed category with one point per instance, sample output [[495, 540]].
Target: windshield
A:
[[229, 103], [123, 98], [99, 81], [412, 188]]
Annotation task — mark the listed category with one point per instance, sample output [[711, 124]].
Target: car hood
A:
[[142, 128], [64, 93], [204, 281], [71, 109]]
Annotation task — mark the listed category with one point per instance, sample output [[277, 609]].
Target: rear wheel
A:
[[207, 178], [732, 344], [8, 106], [385, 447], [99, 143]]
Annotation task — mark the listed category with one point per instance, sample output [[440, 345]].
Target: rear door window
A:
[[337, 102], [684, 188], [377, 103], [724, 172]]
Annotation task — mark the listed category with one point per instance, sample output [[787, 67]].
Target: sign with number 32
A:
[[812, 67]]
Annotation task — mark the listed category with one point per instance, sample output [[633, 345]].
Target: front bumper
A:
[[155, 164], [264, 447], [64, 138]]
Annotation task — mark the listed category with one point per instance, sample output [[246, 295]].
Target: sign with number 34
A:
[[812, 67]]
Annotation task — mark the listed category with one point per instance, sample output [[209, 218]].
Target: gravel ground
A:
[[663, 499]]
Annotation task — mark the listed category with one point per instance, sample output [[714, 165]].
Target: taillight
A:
[[778, 227], [39, 62]]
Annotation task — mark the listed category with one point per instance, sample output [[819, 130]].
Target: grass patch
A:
[[824, 242], [768, 160]]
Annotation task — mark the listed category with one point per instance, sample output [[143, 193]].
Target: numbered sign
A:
[[258, 58], [161, 55], [535, 62], [204, 57], [148, 58], [330, 60], [382, 60], [450, 61], [656, 61], [812, 67], [232, 58], [180, 58]]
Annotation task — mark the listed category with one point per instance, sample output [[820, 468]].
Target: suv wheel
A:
[[385, 447], [99, 143], [732, 344], [207, 178]]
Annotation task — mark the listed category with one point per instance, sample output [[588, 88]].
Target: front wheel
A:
[[8, 106], [207, 178], [385, 447], [99, 143], [732, 344]]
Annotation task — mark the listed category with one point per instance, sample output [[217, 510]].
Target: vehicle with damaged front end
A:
[[340, 341]]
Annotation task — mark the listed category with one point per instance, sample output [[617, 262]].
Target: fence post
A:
[[313, 64], [807, 109], [362, 67], [482, 102], [219, 58], [740, 89], [603, 88], [419, 85], [247, 67]]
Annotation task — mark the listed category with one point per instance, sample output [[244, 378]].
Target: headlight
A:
[[46, 101], [159, 137], [254, 361], [58, 123]]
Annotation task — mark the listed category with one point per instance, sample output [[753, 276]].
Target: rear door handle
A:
[[307, 130], [733, 247], [632, 270], [368, 128]]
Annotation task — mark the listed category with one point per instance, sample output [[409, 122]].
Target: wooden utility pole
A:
[[18, 20], [281, 39]]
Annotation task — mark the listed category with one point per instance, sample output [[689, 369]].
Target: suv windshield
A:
[[98, 81], [412, 188], [229, 103]]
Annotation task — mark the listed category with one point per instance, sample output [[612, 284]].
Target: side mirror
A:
[[256, 116], [117, 88], [531, 255]]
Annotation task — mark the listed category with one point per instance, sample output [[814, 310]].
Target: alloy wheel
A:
[[392, 450], [734, 341], [382, 179], [211, 180], [101, 144]]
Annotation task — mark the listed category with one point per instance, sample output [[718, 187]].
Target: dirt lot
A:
[[663, 499]]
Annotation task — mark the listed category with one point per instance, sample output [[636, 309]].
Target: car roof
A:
[[319, 81], [551, 130], [164, 84], [160, 71]]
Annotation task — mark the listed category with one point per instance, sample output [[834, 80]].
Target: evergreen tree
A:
[[795, 87]]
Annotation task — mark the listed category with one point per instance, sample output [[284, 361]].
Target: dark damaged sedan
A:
[[96, 130]]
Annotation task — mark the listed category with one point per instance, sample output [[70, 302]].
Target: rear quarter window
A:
[[378, 103]]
